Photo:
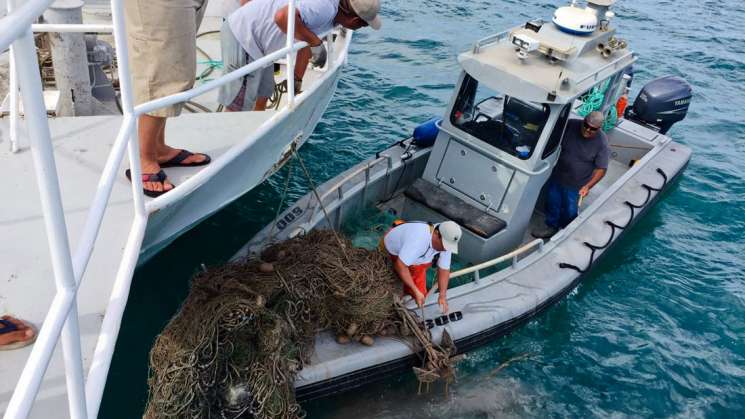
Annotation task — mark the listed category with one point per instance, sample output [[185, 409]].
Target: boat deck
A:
[[81, 146], [616, 169]]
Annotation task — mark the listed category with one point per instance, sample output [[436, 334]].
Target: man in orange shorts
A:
[[413, 246]]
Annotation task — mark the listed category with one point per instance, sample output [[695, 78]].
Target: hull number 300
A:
[[444, 319]]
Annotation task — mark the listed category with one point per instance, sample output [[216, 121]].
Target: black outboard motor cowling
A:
[[662, 103]]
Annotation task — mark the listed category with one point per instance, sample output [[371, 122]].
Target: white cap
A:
[[450, 233], [367, 10]]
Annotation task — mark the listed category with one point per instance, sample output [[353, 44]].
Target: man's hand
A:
[[418, 297], [584, 191], [443, 302]]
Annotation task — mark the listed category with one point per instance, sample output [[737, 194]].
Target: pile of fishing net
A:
[[247, 328]]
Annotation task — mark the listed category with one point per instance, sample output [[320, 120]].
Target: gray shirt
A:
[[580, 156]]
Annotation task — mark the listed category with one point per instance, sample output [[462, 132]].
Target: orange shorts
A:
[[418, 272], [418, 275]]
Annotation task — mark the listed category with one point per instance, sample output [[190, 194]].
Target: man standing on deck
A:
[[412, 248], [582, 164], [161, 38]]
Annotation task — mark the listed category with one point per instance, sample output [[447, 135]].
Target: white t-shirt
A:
[[229, 6], [412, 243], [254, 27]]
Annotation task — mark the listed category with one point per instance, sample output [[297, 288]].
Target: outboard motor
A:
[[661, 103]]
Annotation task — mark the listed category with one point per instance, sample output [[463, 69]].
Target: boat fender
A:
[[426, 133]]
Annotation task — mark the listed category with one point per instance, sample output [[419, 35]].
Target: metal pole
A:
[[112, 321], [54, 218], [71, 28], [290, 55], [125, 87], [13, 89], [330, 58], [70, 60]]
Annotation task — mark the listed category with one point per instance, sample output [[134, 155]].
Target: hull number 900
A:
[[289, 218]]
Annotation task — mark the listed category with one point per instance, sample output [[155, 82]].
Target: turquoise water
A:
[[658, 330]]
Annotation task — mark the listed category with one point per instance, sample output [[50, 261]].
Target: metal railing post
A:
[[106, 344], [125, 88], [330, 50], [290, 54], [54, 220]]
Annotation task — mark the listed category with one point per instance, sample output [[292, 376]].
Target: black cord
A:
[[632, 207]]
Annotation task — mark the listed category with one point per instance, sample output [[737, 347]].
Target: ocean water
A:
[[657, 330]]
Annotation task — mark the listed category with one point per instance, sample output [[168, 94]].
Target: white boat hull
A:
[[242, 173]]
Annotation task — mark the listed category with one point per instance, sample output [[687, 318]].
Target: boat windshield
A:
[[505, 122]]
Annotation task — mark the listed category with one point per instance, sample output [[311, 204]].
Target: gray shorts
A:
[[241, 94]]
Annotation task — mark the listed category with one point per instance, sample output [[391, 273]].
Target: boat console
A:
[[501, 134]]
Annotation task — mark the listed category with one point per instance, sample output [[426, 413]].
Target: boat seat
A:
[[454, 208]]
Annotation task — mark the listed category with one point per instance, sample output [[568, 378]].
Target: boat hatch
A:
[[453, 208]]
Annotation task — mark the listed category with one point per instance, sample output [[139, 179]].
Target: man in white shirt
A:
[[259, 28], [413, 246]]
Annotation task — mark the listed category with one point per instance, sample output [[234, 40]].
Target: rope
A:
[[593, 101], [246, 329], [281, 201], [320, 202]]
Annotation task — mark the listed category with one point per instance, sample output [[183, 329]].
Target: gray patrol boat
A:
[[493, 152]]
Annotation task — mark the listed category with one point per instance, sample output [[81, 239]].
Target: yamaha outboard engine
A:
[[661, 103]]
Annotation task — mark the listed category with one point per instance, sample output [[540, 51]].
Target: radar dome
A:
[[574, 20]]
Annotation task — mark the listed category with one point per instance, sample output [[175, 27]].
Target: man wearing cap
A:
[[413, 246], [582, 164], [259, 27]]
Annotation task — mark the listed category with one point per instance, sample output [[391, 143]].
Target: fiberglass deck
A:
[[81, 146]]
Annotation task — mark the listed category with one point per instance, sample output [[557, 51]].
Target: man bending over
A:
[[412, 248], [258, 28]]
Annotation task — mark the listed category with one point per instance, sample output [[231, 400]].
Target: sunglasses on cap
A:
[[588, 127]]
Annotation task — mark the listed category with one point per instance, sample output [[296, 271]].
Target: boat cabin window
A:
[[505, 122], [558, 133]]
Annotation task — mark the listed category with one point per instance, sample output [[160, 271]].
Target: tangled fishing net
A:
[[246, 329]]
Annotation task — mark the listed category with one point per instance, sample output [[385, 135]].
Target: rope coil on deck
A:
[[633, 207]]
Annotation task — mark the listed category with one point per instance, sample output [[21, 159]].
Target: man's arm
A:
[[403, 272], [243, 2], [597, 175], [302, 33], [443, 277]]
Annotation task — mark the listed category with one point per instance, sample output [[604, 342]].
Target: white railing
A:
[[61, 321], [514, 255], [476, 269]]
